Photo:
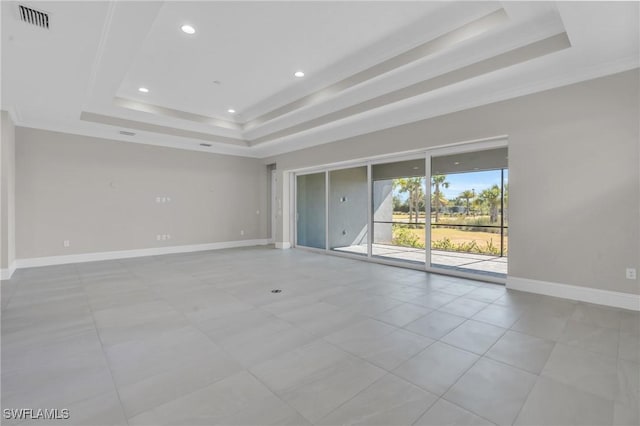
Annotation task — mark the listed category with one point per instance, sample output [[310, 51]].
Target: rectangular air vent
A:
[[33, 16]]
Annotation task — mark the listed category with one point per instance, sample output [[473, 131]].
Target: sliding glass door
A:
[[439, 210], [311, 210], [469, 199], [348, 213], [398, 197]]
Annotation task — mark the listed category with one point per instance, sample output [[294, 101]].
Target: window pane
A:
[[348, 210], [310, 209], [399, 210], [468, 211]]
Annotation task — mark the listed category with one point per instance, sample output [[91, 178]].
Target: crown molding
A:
[[106, 133], [512, 57], [154, 128], [316, 137], [174, 113], [97, 60], [324, 134], [457, 35]]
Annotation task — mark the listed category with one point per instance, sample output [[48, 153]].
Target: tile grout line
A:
[[243, 367], [206, 336], [160, 297], [442, 398], [104, 354], [276, 395], [480, 357], [539, 375], [180, 268], [101, 347], [323, 339]]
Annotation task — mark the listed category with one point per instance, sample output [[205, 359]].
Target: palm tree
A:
[[412, 186], [418, 195], [491, 196], [478, 204], [505, 201], [439, 200], [467, 196], [438, 181]]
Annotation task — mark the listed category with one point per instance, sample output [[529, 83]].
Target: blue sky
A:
[[472, 180]]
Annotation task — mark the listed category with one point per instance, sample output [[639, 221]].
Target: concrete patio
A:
[[466, 262]]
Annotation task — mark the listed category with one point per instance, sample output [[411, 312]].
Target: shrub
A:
[[466, 247], [403, 236], [470, 223]]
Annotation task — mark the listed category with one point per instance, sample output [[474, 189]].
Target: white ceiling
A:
[[254, 57], [82, 74]]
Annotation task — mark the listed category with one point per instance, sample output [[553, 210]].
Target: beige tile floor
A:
[[200, 339]]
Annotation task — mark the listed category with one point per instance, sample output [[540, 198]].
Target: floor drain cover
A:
[[277, 290]]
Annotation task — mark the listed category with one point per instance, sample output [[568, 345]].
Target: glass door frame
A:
[[424, 153], [394, 159], [294, 186]]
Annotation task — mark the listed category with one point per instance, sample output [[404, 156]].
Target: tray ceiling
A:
[[367, 65]]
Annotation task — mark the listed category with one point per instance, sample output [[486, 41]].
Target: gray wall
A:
[[574, 202], [7, 192], [348, 219], [101, 195]]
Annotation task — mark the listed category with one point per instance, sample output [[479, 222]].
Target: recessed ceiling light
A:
[[456, 163], [299, 74], [188, 29], [143, 90], [231, 111]]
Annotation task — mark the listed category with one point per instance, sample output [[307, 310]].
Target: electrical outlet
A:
[[631, 273], [158, 237], [242, 232], [66, 243]]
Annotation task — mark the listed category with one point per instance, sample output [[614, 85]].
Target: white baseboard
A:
[[283, 245], [6, 273], [125, 254], [574, 292]]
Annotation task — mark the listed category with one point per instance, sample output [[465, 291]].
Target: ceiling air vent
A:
[[33, 16], [205, 144], [124, 132]]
